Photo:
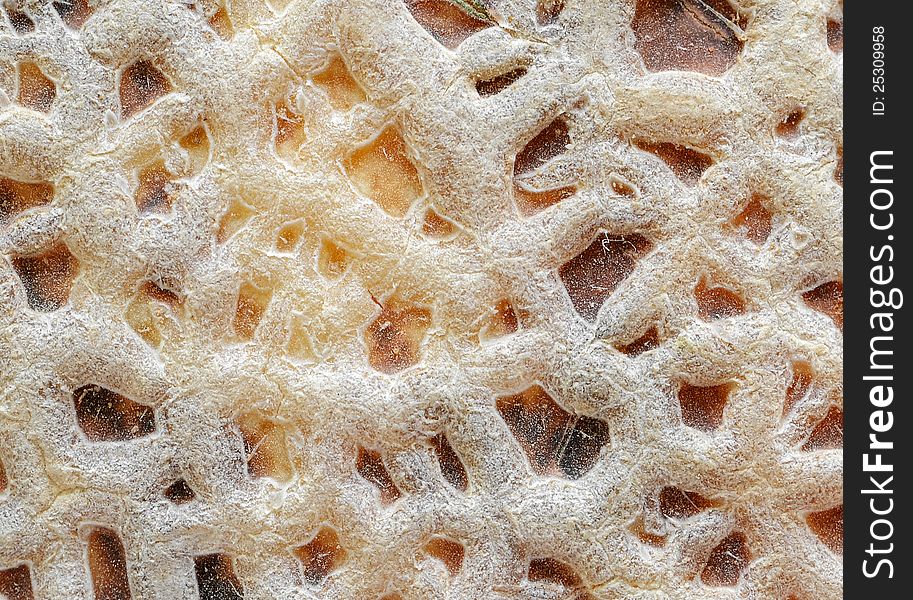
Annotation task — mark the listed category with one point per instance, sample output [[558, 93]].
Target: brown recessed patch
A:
[[252, 303], [555, 441], [108, 565], [592, 276], [370, 465], [688, 35], [680, 504], [717, 302], [321, 556], [530, 202], [17, 196], [799, 385], [788, 127], [554, 571], [382, 171], [448, 552], [648, 341], [550, 142], [828, 433], [395, 336], [20, 20], [499, 83], [179, 492], [502, 321], [827, 298], [196, 143], [36, 90], [106, 416], [827, 525], [16, 583], [216, 579], [835, 35], [237, 215], [336, 80], [73, 12], [754, 222], [548, 11], [265, 447], [639, 528], [686, 163], [451, 466], [153, 195], [141, 84], [289, 236], [220, 21], [702, 406], [47, 277], [447, 22], [437, 227], [727, 561]]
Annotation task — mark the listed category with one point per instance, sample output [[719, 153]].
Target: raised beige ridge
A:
[[469, 299]]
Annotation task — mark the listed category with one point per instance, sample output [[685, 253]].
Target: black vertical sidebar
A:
[[878, 437]]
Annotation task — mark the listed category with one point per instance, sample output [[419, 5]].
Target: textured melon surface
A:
[[420, 299]]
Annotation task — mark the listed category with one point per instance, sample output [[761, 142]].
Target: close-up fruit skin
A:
[[421, 299]]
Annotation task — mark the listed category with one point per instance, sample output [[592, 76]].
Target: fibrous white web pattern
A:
[[221, 215]]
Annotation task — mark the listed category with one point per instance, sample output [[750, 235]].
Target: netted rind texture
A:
[[315, 260]]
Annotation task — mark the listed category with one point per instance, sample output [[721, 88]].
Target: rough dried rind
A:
[[305, 365]]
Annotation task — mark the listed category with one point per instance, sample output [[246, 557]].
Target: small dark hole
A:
[[451, 466], [648, 341], [499, 83], [180, 492], [552, 141]]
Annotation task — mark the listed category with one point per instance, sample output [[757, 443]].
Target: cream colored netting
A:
[[384, 298]]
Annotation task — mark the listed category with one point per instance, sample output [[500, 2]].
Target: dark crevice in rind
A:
[[108, 565], [370, 465], [451, 466], [216, 579], [106, 416], [499, 83], [550, 142]]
